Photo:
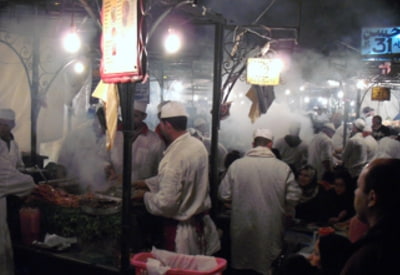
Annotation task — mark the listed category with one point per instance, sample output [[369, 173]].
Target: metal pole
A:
[[34, 90], [218, 57], [126, 94], [346, 114], [358, 103]]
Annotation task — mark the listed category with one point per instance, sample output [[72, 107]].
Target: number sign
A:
[[380, 41]]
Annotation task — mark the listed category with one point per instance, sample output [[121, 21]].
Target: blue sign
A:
[[380, 41]]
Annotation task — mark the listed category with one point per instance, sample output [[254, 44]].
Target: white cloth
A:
[[320, 149], [372, 147], [262, 189], [12, 182], [296, 156], [337, 137], [147, 152], [181, 190], [184, 262], [388, 148], [14, 154], [355, 154], [85, 157]]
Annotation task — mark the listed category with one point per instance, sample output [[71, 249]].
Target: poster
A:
[[120, 46]]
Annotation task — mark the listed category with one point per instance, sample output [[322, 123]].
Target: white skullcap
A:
[[7, 114], [140, 106], [359, 124], [264, 133], [173, 109], [159, 106]]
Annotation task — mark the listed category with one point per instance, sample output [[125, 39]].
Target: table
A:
[[38, 261]]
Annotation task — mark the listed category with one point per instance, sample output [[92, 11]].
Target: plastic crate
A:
[[139, 262]]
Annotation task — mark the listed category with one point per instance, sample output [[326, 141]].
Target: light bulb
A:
[[72, 42]]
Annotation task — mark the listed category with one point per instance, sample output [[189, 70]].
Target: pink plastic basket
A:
[[139, 262]]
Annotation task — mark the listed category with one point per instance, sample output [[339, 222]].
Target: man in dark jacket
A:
[[378, 129], [377, 203]]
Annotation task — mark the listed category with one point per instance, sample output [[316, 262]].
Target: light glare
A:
[[79, 67], [72, 42], [172, 42]]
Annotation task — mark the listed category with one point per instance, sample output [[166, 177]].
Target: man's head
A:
[[159, 106], [378, 191], [358, 125], [376, 121], [262, 137], [173, 120], [139, 112], [7, 122]]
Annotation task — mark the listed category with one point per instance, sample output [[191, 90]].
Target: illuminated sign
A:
[[380, 41], [121, 51], [263, 72], [380, 93]]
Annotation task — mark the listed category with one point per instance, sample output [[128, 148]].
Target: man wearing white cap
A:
[[262, 191], [320, 151], [147, 147], [12, 182], [292, 149], [355, 152], [180, 191]]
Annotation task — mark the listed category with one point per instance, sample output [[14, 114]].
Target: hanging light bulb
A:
[[79, 67], [72, 41], [172, 42]]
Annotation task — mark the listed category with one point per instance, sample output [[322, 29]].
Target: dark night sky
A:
[[320, 22]]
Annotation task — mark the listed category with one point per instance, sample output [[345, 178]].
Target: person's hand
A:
[[138, 194]]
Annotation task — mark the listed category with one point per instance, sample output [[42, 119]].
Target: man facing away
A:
[[355, 153], [180, 191], [377, 203], [262, 191], [320, 151]]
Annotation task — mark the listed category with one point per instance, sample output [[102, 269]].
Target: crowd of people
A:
[[263, 190]]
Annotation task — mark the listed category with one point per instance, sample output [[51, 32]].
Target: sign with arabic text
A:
[[380, 41], [121, 61]]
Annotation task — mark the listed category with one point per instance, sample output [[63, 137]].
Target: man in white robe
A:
[[147, 147], [355, 153], [12, 182], [180, 191], [320, 151], [262, 191]]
